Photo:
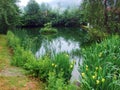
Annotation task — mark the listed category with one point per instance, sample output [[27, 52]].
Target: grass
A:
[[41, 67], [13, 78], [4, 53], [101, 65]]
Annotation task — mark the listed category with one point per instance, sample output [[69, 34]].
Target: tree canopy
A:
[[9, 13]]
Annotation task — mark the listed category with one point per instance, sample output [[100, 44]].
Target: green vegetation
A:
[[38, 15], [97, 14], [9, 15], [48, 29], [41, 67], [101, 60], [13, 77], [101, 66]]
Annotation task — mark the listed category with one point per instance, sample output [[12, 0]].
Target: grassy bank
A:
[[14, 78], [101, 65], [54, 71]]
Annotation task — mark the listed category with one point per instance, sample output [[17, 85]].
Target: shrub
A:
[[48, 29], [45, 66], [57, 82], [13, 41], [61, 62], [41, 67]]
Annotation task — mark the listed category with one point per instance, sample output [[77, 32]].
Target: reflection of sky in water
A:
[[62, 45], [57, 45]]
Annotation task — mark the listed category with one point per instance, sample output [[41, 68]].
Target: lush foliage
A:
[[9, 15], [38, 15], [57, 83], [97, 14], [42, 66], [94, 35], [48, 29], [101, 65]]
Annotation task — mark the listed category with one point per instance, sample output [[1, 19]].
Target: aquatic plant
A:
[[40, 67], [101, 65], [48, 29]]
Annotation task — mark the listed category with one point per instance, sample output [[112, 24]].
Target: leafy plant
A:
[[101, 67], [48, 29], [57, 82]]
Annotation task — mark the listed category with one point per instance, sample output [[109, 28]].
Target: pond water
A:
[[67, 40]]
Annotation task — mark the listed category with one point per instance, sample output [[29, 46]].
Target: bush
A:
[[41, 67], [61, 62], [48, 29], [57, 82], [101, 66], [13, 41]]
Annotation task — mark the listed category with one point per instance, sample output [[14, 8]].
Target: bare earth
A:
[[14, 78]]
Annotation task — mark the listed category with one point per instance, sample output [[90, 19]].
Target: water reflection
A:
[[57, 45], [67, 40]]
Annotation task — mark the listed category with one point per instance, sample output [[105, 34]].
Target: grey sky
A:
[[54, 3]]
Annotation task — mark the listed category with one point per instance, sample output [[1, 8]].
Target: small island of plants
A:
[[48, 29]]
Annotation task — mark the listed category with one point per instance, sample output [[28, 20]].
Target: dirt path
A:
[[14, 78]]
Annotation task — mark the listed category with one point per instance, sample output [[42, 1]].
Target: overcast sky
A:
[[53, 3]]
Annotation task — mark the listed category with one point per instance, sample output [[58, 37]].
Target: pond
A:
[[67, 40]]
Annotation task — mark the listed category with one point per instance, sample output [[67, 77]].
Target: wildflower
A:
[[97, 81], [71, 66], [103, 80], [67, 55], [86, 69], [100, 54], [83, 74], [86, 66], [93, 77], [53, 64], [96, 68]]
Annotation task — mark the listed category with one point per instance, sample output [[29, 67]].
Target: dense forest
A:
[[35, 15], [52, 44]]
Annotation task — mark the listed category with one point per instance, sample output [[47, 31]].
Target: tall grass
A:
[[101, 65], [41, 67]]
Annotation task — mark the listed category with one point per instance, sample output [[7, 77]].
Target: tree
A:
[[101, 13], [9, 15], [32, 13]]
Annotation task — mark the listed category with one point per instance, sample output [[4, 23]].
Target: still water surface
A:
[[67, 40]]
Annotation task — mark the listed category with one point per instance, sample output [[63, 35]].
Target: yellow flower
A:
[[83, 74], [103, 80], [100, 54], [96, 68], [71, 66], [53, 64], [97, 81], [86, 69], [86, 66], [93, 77], [67, 55]]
